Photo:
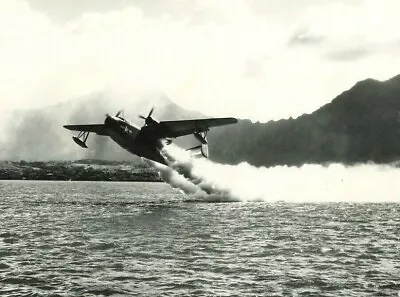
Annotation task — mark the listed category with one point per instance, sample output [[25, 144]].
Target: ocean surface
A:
[[147, 239]]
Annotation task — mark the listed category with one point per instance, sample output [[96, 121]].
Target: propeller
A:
[[109, 118], [118, 113], [148, 120]]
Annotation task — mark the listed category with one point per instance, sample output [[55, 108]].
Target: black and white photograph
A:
[[199, 148]]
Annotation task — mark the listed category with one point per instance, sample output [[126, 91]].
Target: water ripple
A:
[[143, 239]]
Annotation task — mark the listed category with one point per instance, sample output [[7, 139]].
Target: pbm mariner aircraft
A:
[[147, 141]]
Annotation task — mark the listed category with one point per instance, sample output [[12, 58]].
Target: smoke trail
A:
[[185, 165], [176, 180], [309, 183]]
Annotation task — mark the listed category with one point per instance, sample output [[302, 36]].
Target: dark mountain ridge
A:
[[360, 125]]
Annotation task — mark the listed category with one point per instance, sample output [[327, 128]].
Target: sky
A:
[[257, 59]]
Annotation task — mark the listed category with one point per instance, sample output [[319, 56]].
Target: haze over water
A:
[[147, 239]]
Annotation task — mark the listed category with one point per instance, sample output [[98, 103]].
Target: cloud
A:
[[349, 54], [254, 68], [73, 9], [349, 28], [219, 59], [304, 37]]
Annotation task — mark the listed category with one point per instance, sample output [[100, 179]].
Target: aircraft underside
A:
[[146, 141], [146, 148]]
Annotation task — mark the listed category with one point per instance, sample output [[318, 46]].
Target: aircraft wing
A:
[[97, 128], [185, 127]]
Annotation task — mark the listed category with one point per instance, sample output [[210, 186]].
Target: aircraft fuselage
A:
[[130, 138], [148, 141]]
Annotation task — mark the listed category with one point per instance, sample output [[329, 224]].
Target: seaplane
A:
[[148, 140]]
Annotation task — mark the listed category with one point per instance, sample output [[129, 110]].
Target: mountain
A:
[[39, 134], [360, 125]]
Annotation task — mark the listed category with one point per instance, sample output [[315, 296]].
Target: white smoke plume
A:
[[186, 166], [176, 180], [309, 183]]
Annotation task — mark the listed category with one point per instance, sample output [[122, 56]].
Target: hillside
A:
[[360, 125], [38, 135]]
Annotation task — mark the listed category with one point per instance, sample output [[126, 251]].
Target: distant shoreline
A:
[[81, 170], [61, 180]]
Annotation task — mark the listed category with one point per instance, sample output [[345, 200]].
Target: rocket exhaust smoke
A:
[[309, 183], [176, 180]]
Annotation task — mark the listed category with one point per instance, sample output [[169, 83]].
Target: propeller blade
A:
[[142, 117], [151, 112], [118, 113]]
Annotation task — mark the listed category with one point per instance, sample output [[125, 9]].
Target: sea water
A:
[[147, 239]]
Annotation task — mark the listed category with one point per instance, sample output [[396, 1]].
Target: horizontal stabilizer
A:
[[194, 148], [202, 148]]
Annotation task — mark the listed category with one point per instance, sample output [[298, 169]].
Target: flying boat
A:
[[148, 140]]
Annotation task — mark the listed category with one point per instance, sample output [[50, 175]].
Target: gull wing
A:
[[99, 129], [185, 127]]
